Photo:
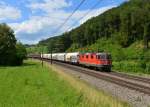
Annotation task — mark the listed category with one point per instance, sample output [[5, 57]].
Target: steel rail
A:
[[127, 76], [110, 78], [134, 86]]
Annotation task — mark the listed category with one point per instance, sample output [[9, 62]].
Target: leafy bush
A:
[[21, 54], [142, 64]]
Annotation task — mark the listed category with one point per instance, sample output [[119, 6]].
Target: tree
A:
[[10, 52], [51, 46], [7, 45]]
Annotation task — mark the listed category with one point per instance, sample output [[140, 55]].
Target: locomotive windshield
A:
[[104, 56]]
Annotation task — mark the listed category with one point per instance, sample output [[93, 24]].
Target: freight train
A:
[[98, 61]]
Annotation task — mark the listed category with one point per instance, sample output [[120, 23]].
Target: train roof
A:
[[76, 53], [102, 53], [73, 53]]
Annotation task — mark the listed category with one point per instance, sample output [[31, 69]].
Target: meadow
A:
[[32, 85]]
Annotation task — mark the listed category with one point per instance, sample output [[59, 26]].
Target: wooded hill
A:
[[126, 24]]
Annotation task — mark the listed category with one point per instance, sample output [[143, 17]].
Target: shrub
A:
[[21, 54], [142, 64]]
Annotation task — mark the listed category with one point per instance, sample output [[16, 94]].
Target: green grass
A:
[[31, 85], [133, 67]]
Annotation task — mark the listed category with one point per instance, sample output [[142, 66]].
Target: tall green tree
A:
[[11, 53], [7, 45]]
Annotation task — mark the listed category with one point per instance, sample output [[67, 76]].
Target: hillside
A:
[[123, 31], [126, 24]]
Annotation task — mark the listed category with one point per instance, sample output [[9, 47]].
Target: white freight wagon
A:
[[72, 57]]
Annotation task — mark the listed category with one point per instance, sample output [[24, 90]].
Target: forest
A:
[[126, 24]]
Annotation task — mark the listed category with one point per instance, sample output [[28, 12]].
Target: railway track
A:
[[136, 78], [113, 77]]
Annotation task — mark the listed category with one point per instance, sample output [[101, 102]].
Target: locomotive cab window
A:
[[91, 56], [98, 56], [104, 56]]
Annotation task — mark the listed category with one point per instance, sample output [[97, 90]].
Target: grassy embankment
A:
[[133, 59], [33, 86]]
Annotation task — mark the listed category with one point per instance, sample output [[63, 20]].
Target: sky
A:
[[35, 20]]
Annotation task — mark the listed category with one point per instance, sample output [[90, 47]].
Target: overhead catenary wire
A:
[[87, 13], [59, 28]]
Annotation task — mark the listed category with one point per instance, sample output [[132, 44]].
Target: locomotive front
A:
[[104, 61]]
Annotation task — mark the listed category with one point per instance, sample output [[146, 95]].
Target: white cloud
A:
[[48, 5], [37, 28], [9, 12], [38, 23], [96, 12], [43, 26]]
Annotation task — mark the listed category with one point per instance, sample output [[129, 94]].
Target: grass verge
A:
[[31, 85], [132, 67]]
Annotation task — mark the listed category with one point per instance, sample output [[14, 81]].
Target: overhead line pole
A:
[[42, 57], [51, 56]]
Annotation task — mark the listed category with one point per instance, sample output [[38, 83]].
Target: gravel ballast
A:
[[134, 98]]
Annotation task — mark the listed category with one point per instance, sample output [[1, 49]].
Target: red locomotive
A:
[[100, 61]]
